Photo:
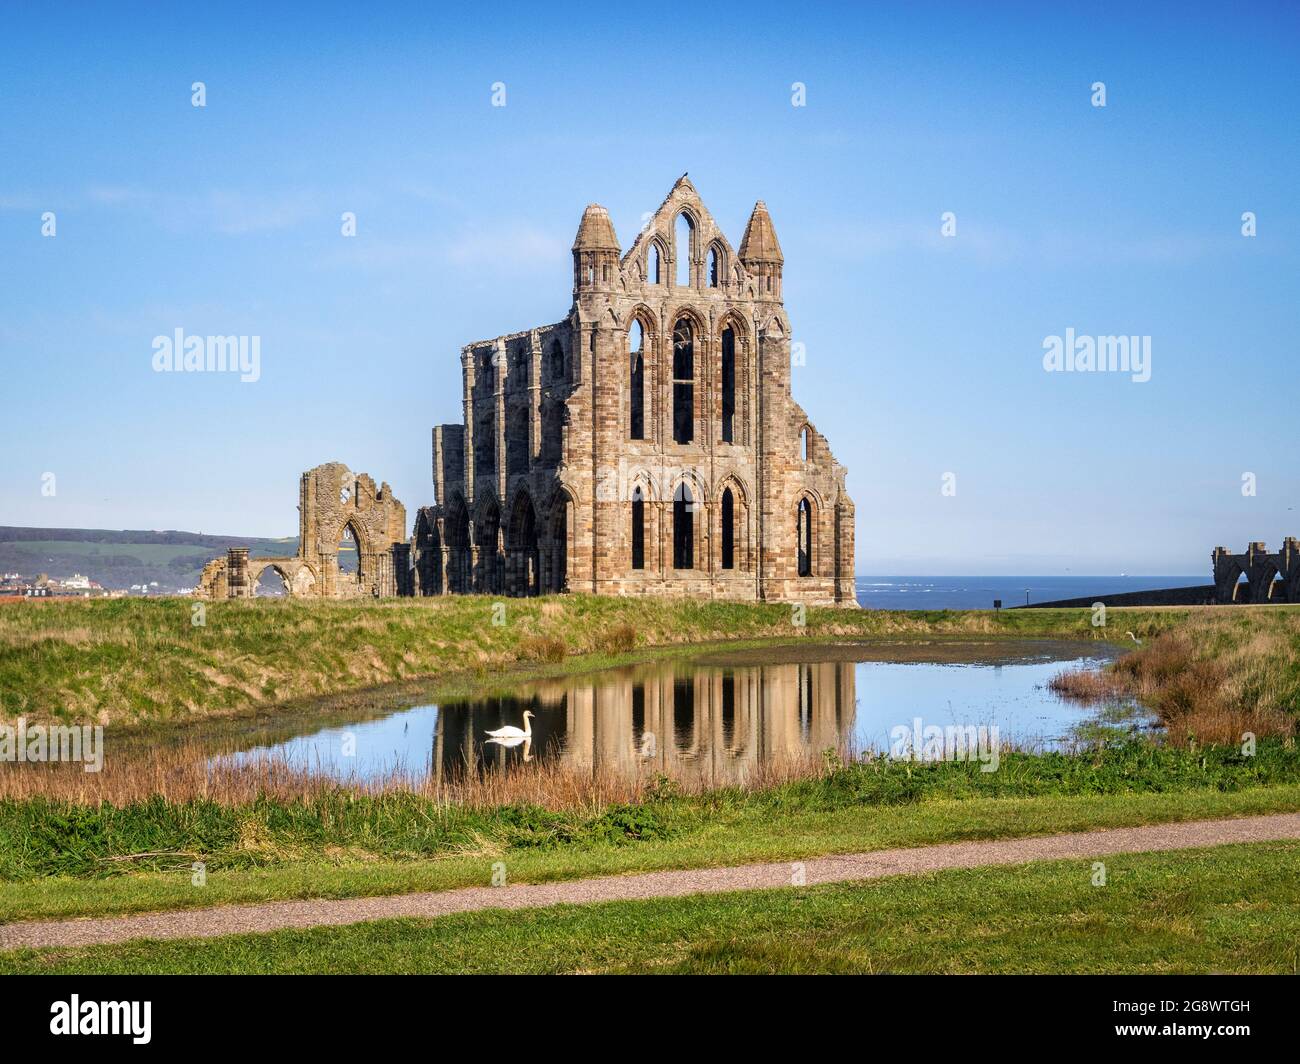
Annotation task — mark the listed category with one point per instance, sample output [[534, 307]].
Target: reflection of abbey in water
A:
[[706, 725]]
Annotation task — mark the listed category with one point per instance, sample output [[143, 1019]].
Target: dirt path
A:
[[278, 915]]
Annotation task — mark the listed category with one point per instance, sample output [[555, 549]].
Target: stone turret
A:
[[760, 252], [595, 252]]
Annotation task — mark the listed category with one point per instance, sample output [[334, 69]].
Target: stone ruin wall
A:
[[330, 499]]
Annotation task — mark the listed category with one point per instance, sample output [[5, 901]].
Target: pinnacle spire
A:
[[596, 231], [759, 243]]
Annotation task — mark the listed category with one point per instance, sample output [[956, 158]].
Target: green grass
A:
[[64, 860], [132, 661], [42, 837], [1231, 909], [144, 665]]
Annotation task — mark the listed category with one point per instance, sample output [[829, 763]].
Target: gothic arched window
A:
[[728, 530], [805, 537], [636, 381], [683, 528], [728, 385], [683, 382], [638, 529]]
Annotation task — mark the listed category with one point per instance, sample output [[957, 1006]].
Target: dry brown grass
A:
[[620, 639], [1210, 681], [548, 648], [185, 772], [1088, 685]]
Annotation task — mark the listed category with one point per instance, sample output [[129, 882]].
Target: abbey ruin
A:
[[334, 506], [648, 443]]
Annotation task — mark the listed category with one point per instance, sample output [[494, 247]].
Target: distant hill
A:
[[118, 559]]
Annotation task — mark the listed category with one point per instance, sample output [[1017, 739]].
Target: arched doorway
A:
[[487, 538], [1241, 589], [556, 550], [523, 559], [426, 560], [271, 583], [458, 555]]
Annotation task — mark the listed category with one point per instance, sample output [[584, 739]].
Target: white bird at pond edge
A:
[[511, 732]]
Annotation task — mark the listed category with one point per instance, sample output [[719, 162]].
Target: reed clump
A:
[[620, 639], [546, 648], [1216, 679]]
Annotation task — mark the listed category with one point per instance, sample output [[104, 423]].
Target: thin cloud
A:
[[522, 245]]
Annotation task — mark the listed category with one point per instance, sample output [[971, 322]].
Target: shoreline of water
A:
[[722, 716]]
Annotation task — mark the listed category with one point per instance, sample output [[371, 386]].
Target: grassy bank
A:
[[66, 859], [1215, 676], [1232, 909], [140, 661]]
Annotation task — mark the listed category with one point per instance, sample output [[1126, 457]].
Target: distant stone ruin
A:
[[1258, 576], [334, 505]]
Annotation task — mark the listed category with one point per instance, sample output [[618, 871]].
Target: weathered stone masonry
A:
[[330, 500], [1258, 576], [648, 443]]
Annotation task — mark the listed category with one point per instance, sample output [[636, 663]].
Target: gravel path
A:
[[277, 915]]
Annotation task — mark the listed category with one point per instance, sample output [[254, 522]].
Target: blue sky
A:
[[924, 352]]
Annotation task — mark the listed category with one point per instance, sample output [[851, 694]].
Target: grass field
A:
[[1211, 674], [1231, 909], [140, 661], [57, 859]]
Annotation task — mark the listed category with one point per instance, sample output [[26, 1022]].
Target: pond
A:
[[715, 719]]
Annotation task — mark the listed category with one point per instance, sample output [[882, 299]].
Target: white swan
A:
[[511, 732], [510, 744]]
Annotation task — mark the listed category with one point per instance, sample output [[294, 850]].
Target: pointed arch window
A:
[[636, 381], [805, 537], [654, 265], [728, 530], [683, 382], [728, 385], [714, 268], [638, 528], [684, 235], [349, 552], [683, 528]]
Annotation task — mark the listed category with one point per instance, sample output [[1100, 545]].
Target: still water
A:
[[715, 719]]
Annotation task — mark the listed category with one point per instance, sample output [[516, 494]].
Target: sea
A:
[[980, 592]]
